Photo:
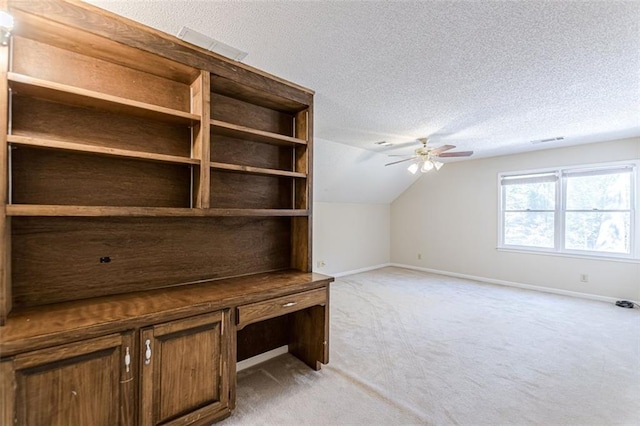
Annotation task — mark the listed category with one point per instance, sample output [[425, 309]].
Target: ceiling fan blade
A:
[[443, 148], [399, 155], [401, 161], [456, 154]]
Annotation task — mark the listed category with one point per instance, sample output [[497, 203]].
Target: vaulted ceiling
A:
[[485, 76]]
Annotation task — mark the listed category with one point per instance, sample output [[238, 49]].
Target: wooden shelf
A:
[[256, 170], [29, 86], [247, 93], [106, 211], [94, 149], [227, 129]]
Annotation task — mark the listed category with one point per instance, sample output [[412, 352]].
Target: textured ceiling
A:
[[488, 76], [485, 76]]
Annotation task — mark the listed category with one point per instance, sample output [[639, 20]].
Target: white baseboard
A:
[[512, 284], [357, 271], [258, 359]]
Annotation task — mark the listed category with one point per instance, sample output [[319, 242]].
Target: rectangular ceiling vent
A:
[[559, 138], [194, 37]]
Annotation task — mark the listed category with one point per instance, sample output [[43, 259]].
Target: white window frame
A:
[[560, 211]]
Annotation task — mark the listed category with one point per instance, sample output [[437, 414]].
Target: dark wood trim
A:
[[5, 222]]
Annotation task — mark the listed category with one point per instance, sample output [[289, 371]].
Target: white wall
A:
[[350, 237], [450, 218]]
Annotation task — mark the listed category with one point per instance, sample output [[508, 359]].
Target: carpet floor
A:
[[410, 347]]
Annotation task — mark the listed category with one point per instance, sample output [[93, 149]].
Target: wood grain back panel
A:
[[263, 336], [245, 152], [59, 259], [247, 114], [67, 67], [50, 120], [239, 190], [65, 178]]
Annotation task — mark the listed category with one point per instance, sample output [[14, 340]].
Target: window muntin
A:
[[572, 210]]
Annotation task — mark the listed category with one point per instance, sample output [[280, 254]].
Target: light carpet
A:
[[411, 347]]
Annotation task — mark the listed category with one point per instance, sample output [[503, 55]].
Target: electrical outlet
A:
[[584, 278], [419, 256], [321, 264]]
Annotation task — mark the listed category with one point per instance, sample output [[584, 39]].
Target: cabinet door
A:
[[185, 370], [84, 383]]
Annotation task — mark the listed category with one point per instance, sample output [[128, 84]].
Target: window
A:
[[570, 210]]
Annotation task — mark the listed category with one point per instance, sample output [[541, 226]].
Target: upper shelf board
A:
[[29, 86]]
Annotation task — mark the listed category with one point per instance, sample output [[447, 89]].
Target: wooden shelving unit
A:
[[154, 191]]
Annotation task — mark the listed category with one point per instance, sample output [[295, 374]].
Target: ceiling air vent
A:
[[559, 138], [206, 42]]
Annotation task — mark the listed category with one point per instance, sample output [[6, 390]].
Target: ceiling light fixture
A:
[[427, 158], [6, 26], [425, 165]]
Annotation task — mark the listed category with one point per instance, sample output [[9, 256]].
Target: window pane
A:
[[603, 192], [532, 196], [533, 229], [597, 231]]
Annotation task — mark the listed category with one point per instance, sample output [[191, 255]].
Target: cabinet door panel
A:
[[183, 379], [79, 383]]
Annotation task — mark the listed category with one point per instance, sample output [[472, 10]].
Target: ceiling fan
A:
[[426, 158]]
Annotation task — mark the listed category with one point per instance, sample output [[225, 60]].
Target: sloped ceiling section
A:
[[346, 174]]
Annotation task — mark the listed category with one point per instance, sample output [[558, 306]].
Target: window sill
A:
[[570, 255]]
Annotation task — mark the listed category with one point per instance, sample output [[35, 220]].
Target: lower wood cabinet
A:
[[166, 357], [83, 383], [185, 370], [177, 373]]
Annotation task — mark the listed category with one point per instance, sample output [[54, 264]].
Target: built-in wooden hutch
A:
[[156, 222]]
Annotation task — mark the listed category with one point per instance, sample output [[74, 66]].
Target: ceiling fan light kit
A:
[[426, 158]]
